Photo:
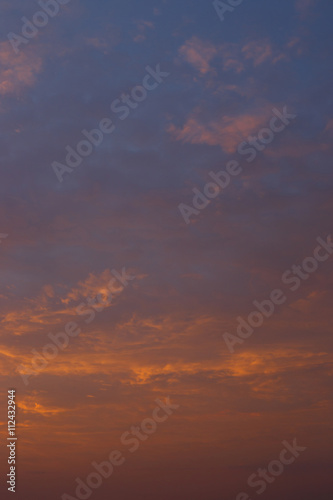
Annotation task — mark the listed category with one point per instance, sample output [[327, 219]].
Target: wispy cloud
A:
[[17, 71], [227, 133], [198, 53]]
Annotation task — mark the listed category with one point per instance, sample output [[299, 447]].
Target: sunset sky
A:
[[67, 232]]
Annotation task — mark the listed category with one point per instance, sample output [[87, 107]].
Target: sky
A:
[[125, 273]]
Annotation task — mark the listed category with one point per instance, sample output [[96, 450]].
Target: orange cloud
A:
[[93, 286], [46, 310]]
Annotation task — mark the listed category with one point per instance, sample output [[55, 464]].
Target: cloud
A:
[[142, 27], [17, 71], [198, 53], [227, 132], [48, 309], [303, 7], [233, 59], [258, 52], [93, 286], [329, 126], [98, 43]]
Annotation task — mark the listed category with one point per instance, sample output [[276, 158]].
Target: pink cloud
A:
[[17, 70], [198, 54], [226, 133], [259, 52], [329, 126], [142, 27], [304, 6]]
